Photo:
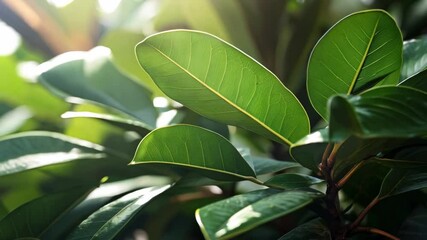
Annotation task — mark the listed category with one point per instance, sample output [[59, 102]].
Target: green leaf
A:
[[238, 214], [361, 50], [407, 157], [30, 150], [309, 150], [400, 181], [414, 57], [292, 181], [390, 111], [263, 165], [13, 119], [121, 122], [34, 218], [220, 82], [314, 229], [91, 76], [196, 148], [417, 81], [109, 220]]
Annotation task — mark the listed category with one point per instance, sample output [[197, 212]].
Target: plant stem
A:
[[350, 173], [362, 215], [376, 231], [336, 223]]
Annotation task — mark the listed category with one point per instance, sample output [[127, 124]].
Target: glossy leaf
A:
[[34, 218], [400, 181], [414, 57], [362, 50], [264, 165], [406, 157], [314, 229], [12, 120], [238, 214], [91, 76], [25, 151], [309, 150], [292, 181], [109, 220], [220, 82], [196, 148], [417, 81], [392, 111]]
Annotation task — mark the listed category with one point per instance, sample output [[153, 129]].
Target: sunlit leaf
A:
[[417, 81], [91, 76], [195, 148], [238, 214], [362, 50], [220, 82]]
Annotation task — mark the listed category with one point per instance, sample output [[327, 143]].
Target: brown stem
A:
[[350, 173], [376, 231], [362, 215]]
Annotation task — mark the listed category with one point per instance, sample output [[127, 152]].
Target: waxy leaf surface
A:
[[220, 82]]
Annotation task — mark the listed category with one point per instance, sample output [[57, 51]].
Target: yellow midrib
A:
[[356, 75]]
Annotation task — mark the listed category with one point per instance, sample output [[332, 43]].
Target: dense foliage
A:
[[213, 148]]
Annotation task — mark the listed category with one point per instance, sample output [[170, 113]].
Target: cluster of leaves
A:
[[372, 101]]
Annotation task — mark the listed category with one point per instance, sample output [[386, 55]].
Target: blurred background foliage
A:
[[279, 34]]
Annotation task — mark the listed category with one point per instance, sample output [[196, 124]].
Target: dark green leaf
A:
[[292, 180], [392, 111], [399, 181], [92, 76], [220, 82], [34, 218], [314, 229], [361, 50], [417, 81], [309, 150], [238, 214], [108, 221], [414, 225], [196, 148], [264, 165], [408, 157], [414, 57]]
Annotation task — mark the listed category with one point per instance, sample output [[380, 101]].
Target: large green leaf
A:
[[263, 165], [35, 218], [220, 82], [361, 50], [235, 215], [389, 111], [414, 57], [314, 229], [400, 181], [91, 76], [109, 220], [195, 148]]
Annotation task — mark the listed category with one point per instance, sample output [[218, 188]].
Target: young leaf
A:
[[91, 76], [109, 220], [314, 229], [292, 181], [361, 50], [34, 218], [218, 81], [414, 57], [196, 148], [235, 215], [390, 111]]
